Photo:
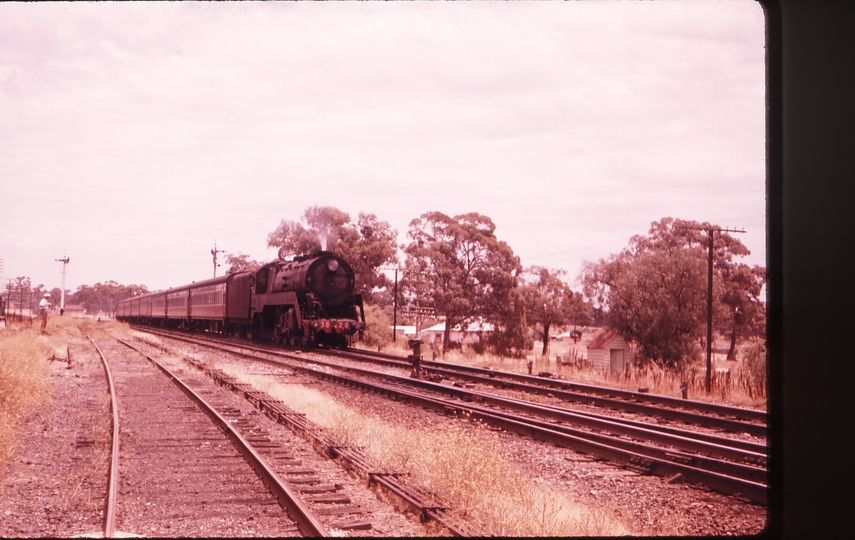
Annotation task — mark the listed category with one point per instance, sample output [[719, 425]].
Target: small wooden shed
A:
[[609, 353]]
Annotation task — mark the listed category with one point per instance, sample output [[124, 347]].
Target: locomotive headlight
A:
[[332, 265]]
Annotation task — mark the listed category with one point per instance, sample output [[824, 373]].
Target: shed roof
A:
[[477, 326], [405, 329], [600, 341]]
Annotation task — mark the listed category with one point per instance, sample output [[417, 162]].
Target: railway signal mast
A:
[[395, 304], [64, 260], [214, 253], [417, 312], [710, 231]]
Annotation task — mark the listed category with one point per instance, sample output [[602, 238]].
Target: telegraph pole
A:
[[64, 262], [214, 253], [710, 231]]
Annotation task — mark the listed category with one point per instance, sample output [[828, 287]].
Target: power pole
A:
[[214, 253], [710, 231], [64, 262]]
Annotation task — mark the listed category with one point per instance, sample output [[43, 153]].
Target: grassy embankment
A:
[[463, 464], [24, 374], [743, 384]]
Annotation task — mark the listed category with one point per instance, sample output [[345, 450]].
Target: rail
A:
[[306, 521], [502, 377], [739, 479], [113, 477]]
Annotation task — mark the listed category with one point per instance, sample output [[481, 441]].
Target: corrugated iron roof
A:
[[600, 341]]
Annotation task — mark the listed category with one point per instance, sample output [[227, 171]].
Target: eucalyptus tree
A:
[[240, 263], [654, 290], [102, 297], [548, 302], [743, 312], [465, 272], [366, 245]]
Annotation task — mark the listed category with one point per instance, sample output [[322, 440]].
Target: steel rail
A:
[[582, 392], [608, 448], [712, 445], [715, 446], [723, 410], [633, 407], [635, 402], [738, 413], [703, 456], [298, 422], [113, 476], [653, 460], [306, 520], [657, 460]]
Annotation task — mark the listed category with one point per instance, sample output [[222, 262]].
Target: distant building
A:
[[609, 353], [75, 309], [407, 332], [559, 337], [471, 335]]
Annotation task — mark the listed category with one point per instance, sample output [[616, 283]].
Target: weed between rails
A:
[[463, 464], [96, 426]]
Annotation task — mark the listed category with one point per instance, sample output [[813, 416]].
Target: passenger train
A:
[[306, 301]]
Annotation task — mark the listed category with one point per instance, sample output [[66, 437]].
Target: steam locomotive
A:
[[306, 301]]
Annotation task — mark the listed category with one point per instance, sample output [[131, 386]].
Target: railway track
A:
[[725, 465], [723, 417], [184, 459], [422, 503]]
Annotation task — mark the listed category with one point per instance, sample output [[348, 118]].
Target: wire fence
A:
[[18, 307]]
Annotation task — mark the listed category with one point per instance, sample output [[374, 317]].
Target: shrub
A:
[[751, 375], [377, 327]]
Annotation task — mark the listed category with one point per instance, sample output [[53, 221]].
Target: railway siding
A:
[[330, 492], [178, 474], [728, 477], [277, 411], [640, 496]]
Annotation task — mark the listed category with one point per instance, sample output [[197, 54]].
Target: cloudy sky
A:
[[135, 135]]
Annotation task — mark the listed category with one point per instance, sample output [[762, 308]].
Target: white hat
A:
[[47, 295]]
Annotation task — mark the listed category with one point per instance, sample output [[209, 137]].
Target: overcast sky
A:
[[135, 135]]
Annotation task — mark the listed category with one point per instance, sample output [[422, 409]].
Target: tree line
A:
[[653, 293], [98, 298]]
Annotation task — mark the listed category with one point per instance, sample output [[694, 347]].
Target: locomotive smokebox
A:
[[326, 276]]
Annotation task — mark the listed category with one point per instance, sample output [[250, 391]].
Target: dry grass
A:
[[462, 464], [107, 329], [739, 384], [24, 383], [25, 388], [97, 425]]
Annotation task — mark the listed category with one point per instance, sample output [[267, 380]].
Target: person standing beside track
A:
[[44, 305]]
